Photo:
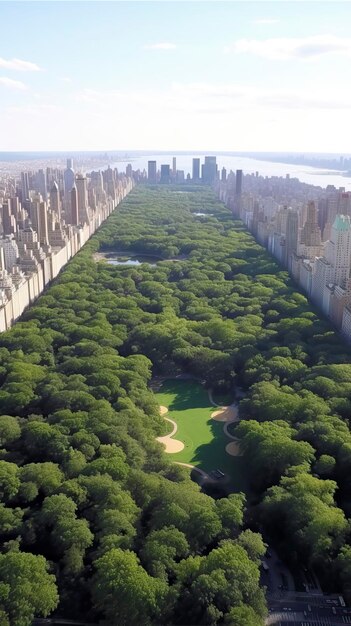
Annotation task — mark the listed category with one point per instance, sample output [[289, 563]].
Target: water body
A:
[[305, 173], [203, 214], [128, 260], [133, 259]]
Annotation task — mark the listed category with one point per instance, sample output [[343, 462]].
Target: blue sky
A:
[[175, 75]]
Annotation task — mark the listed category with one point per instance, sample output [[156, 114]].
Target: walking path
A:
[[193, 467], [228, 415]]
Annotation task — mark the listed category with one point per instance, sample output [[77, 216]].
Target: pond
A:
[[127, 259], [132, 259]]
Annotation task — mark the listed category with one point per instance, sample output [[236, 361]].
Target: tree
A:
[[10, 429], [124, 592], [253, 544], [243, 616], [325, 465], [46, 477], [214, 584], [162, 548], [9, 480], [26, 588]]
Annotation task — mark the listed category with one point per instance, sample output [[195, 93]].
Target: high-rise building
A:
[[41, 184], [43, 235], [82, 194], [25, 186], [68, 177], [174, 167], [338, 251], [238, 182], [209, 170], [292, 234], [10, 248], [74, 206], [151, 172], [8, 220], [129, 170], [311, 232], [196, 170], [165, 174], [223, 175], [55, 203]]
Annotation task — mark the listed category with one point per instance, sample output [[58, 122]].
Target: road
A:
[[290, 607]]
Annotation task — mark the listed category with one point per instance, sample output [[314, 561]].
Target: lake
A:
[[128, 259]]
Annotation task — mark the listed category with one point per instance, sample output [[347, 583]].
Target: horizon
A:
[[148, 151]]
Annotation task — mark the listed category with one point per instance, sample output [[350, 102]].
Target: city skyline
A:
[[152, 75]]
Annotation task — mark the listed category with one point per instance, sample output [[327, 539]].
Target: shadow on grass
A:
[[212, 456], [188, 395]]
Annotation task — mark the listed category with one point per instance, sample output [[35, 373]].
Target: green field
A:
[[189, 406]]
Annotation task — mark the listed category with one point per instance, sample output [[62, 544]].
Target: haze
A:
[[175, 75]]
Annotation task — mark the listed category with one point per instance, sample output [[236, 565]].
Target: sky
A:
[[204, 75]]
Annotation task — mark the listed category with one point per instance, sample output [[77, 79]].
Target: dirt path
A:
[[193, 467], [175, 427], [171, 445], [228, 415]]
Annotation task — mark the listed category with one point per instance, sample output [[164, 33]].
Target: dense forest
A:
[[96, 522]]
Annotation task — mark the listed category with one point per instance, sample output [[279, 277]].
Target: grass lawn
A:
[[203, 437]]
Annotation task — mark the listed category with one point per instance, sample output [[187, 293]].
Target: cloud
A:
[[19, 65], [293, 48], [12, 84], [209, 99], [34, 110], [160, 46], [266, 20]]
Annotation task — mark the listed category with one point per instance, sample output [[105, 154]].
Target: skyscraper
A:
[[238, 182], [196, 169], [292, 233], [43, 235], [41, 184], [68, 177], [74, 206], [174, 167], [165, 174], [25, 186], [55, 203], [209, 170], [311, 232], [82, 193], [338, 252], [151, 172]]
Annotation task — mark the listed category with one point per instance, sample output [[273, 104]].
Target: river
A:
[[305, 173]]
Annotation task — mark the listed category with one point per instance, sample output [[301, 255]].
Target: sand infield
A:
[[225, 414], [233, 448], [171, 445]]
